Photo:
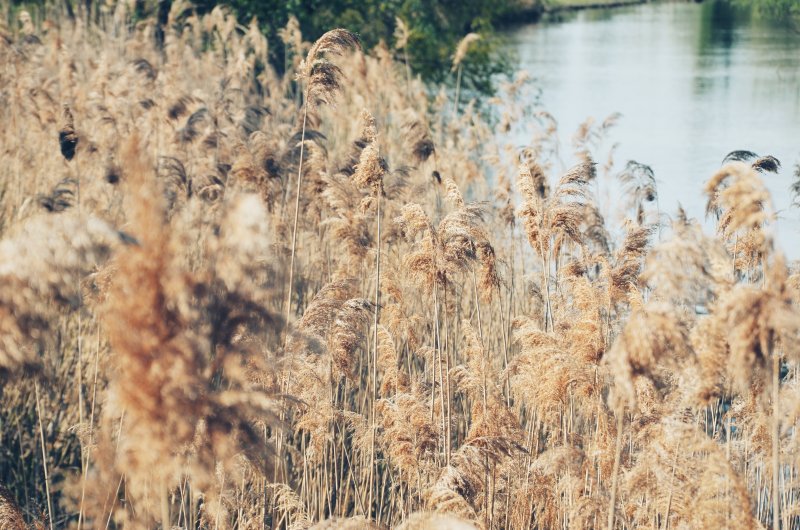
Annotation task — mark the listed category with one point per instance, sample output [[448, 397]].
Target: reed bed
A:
[[335, 299]]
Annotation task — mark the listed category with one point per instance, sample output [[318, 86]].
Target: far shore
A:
[[532, 10], [566, 5]]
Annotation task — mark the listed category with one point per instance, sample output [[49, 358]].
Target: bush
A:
[[435, 28]]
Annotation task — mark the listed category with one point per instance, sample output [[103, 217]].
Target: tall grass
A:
[[226, 305]]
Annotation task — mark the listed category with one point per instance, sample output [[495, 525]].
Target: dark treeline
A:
[[425, 33]]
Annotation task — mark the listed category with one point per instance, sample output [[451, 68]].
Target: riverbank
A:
[[569, 5], [529, 11]]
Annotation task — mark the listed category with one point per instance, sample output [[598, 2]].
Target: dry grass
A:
[[232, 299]]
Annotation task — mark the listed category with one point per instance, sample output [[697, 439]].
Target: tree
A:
[[434, 29]]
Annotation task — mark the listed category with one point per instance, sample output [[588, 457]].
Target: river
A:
[[692, 82]]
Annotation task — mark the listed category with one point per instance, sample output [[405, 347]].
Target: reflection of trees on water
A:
[[723, 28], [719, 21], [718, 24]]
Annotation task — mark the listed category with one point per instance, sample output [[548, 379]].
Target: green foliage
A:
[[435, 28], [781, 10]]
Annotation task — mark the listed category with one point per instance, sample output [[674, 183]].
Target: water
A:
[[692, 82]]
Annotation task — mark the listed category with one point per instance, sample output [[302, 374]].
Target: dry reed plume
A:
[[328, 299]]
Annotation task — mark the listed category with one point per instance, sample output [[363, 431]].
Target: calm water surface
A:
[[692, 82]]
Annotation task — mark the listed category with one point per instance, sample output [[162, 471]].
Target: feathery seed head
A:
[[463, 48]]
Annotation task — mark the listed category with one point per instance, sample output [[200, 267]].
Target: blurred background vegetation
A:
[[434, 27], [776, 8]]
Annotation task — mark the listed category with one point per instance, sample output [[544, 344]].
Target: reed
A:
[[236, 299]]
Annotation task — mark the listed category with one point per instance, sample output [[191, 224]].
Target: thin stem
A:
[[447, 352], [296, 212], [458, 93], [437, 354], [279, 433], [776, 431], [91, 428], [480, 333], [44, 456], [617, 454], [504, 336], [80, 319], [375, 344], [546, 282]]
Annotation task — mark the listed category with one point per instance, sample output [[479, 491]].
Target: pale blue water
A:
[[692, 81]]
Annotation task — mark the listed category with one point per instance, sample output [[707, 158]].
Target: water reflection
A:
[[692, 81], [717, 23]]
